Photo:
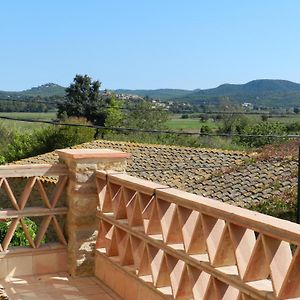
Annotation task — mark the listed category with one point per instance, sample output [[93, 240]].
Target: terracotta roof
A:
[[229, 176]]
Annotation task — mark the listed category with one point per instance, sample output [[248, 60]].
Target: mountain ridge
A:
[[44, 90], [269, 92]]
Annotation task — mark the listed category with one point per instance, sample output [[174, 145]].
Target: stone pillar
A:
[[82, 201]]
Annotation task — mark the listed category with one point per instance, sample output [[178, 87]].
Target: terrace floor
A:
[[58, 286]]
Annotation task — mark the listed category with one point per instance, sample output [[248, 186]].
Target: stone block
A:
[[83, 167], [82, 177], [86, 233], [86, 188], [83, 205], [85, 267], [83, 200], [112, 165], [77, 220], [86, 247]]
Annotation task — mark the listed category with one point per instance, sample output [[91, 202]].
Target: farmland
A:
[[25, 126], [193, 124], [174, 123]]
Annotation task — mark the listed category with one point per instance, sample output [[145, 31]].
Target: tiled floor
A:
[[57, 287]]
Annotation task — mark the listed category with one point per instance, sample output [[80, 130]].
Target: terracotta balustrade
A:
[[25, 196], [153, 241], [156, 242]]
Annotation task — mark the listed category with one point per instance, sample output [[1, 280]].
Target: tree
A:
[[114, 116], [47, 139], [83, 99], [232, 120], [263, 129], [146, 116], [293, 127]]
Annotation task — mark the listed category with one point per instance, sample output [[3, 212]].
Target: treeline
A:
[[14, 106], [29, 104], [84, 101]]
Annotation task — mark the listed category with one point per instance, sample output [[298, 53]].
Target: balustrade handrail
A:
[[278, 228], [8, 171], [32, 212]]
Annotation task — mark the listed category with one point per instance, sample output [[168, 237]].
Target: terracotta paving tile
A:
[[32, 296], [28, 288], [58, 286], [92, 290], [96, 297]]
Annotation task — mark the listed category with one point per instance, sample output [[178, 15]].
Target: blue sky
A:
[[148, 43]]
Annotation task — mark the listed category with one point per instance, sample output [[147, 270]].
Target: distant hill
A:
[[264, 92], [45, 90], [268, 92]]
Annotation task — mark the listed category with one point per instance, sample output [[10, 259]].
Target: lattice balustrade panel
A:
[[32, 207], [190, 247]]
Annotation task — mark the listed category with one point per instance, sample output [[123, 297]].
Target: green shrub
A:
[[2, 160], [293, 127], [57, 137], [205, 129], [48, 139], [233, 123], [19, 238], [263, 129], [6, 137], [283, 207], [20, 147], [175, 139]]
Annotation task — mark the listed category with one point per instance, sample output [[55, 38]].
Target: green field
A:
[[192, 124], [285, 120], [26, 126], [175, 123]]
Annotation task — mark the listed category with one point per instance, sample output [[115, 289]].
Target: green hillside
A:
[[262, 92], [45, 90], [266, 92]]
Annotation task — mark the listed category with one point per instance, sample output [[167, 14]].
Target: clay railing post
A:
[[82, 201]]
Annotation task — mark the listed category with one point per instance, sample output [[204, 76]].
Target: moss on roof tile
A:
[[230, 176]]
